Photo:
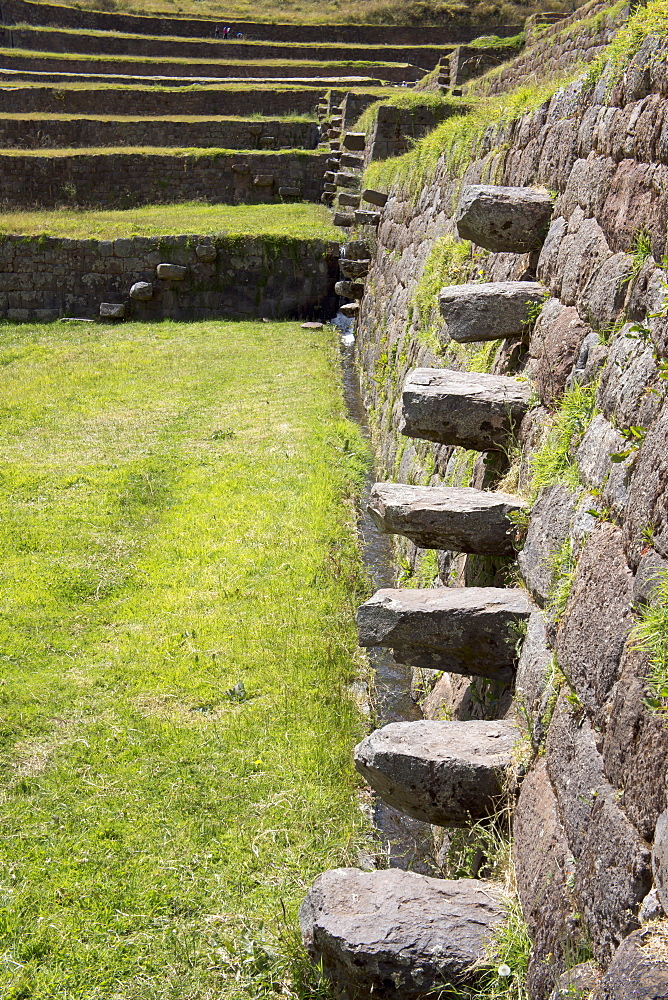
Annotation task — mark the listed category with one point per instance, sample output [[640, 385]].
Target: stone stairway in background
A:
[[397, 935]]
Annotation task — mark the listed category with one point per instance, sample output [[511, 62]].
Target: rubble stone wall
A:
[[588, 807], [43, 278]]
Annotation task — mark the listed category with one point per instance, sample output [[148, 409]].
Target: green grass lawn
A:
[[298, 221], [180, 575], [101, 58]]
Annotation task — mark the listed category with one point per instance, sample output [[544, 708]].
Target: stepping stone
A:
[[354, 268], [112, 310], [397, 935], [357, 250], [513, 219], [459, 519], [312, 326], [349, 200], [363, 218], [329, 176], [465, 630], [289, 192], [374, 197], [329, 188], [349, 289], [142, 291], [447, 773], [342, 179], [354, 141], [350, 160], [488, 311], [172, 272], [350, 309], [327, 198], [460, 408], [343, 219], [206, 252]]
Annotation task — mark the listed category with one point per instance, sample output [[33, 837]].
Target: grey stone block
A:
[[457, 408], [660, 859], [374, 197], [466, 630], [638, 970], [447, 773], [171, 272], [344, 219], [513, 219], [363, 218], [112, 310], [354, 141], [343, 179], [488, 311], [441, 517], [350, 309], [347, 200], [141, 290], [354, 268], [398, 935]]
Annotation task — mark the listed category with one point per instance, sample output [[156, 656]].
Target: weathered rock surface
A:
[[511, 219], [555, 349], [396, 935], [544, 867], [467, 630], [639, 968], [549, 525], [534, 668], [447, 773], [354, 141], [364, 218], [577, 983], [488, 311], [602, 592], [441, 517], [374, 197], [457, 408], [660, 859], [171, 272]]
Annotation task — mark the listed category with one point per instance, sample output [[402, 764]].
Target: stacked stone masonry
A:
[[588, 807]]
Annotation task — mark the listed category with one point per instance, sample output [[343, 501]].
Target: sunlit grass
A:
[[297, 221], [179, 582]]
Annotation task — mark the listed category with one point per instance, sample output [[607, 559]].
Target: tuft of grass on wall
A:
[[419, 100], [554, 462], [651, 635], [647, 19]]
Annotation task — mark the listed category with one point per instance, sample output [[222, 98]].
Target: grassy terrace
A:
[[180, 577], [59, 57], [155, 151], [45, 116], [296, 221]]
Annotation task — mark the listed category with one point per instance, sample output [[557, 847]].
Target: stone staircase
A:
[[447, 773]]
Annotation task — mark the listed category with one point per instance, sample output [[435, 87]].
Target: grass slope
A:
[[296, 221], [179, 583]]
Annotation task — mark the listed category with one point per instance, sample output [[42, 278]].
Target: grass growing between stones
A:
[[651, 635], [180, 576], [296, 221]]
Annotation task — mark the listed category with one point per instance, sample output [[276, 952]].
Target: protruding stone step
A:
[[356, 250], [374, 197], [352, 161], [354, 268], [448, 773], [112, 310], [354, 141], [397, 935], [350, 309], [446, 517], [349, 289], [171, 272], [343, 219], [488, 311], [363, 218], [465, 630], [347, 200], [460, 408], [142, 291], [343, 179], [513, 219]]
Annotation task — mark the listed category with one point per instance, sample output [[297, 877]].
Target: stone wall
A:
[[395, 129], [124, 180], [216, 70], [245, 278], [588, 806], [71, 133], [24, 12], [148, 101], [172, 48], [580, 38]]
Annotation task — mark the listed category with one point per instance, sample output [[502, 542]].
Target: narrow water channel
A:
[[405, 842]]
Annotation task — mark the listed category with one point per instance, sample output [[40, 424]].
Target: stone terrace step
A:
[[459, 408], [446, 517], [107, 44], [128, 80], [125, 179], [23, 12], [447, 773], [396, 935], [465, 630], [219, 99], [488, 311], [512, 219], [45, 62], [36, 133]]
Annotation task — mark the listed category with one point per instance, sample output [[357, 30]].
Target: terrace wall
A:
[[72, 133], [44, 278], [125, 180]]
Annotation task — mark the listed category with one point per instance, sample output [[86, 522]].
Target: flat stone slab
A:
[[112, 310], [350, 309], [363, 218], [460, 408], [448, 773], [465, 630], [488, 311], [460, 519], [354, 268], [343, 219], [374, 197], [354, 141], [513, 219], [396, 935]]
